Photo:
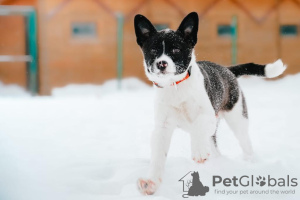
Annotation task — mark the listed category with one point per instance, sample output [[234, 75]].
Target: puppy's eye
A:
[[153, 51], [176, 51]]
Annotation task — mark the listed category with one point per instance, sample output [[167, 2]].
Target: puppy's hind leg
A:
[[237, 119], [214, 144]]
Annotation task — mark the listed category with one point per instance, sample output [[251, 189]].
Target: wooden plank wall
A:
[[12, 42]]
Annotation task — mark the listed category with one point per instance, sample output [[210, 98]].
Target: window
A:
[[83, 29], [288, 30], [161, 26], [224, 30]]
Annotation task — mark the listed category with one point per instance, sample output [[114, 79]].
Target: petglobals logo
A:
[[192, 185], [254, 185], [246, 181]]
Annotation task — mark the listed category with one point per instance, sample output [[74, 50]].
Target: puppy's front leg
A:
[[160, 143], [201, 133]]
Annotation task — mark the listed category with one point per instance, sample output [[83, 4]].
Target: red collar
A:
[[177, 82]]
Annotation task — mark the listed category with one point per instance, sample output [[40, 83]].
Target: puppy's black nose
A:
[[162, 65]]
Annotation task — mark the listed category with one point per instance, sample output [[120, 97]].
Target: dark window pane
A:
[[83, 29], [161, 26], [288, 30], [224, 30]]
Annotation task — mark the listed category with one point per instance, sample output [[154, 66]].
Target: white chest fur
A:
[[186, 102]]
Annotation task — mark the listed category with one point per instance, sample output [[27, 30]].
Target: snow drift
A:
[[92, 142]]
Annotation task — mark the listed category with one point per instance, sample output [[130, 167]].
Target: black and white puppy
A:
[[191, 95]]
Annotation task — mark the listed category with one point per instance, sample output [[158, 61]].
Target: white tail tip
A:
[[274, 69]]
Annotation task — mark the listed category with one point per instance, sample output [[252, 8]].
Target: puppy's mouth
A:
[[164, 79], [164, 73], [157, 73]]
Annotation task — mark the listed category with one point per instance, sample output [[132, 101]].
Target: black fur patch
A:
[[220, 84], [248, 69], [245, 111], [214, 138], [143, 29]]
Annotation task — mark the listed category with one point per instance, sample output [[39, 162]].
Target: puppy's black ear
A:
[[189, 28], [143, 29]]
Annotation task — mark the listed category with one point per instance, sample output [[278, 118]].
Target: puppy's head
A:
[[167, 53]]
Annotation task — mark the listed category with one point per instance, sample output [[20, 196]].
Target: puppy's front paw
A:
[[201, 155], [147, 186], [200, 159]]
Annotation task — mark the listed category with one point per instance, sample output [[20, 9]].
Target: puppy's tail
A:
[[270, 70]]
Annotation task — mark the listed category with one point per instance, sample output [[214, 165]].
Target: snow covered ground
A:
[[92, 143]]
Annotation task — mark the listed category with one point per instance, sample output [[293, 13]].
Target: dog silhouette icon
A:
[[197, 187]]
